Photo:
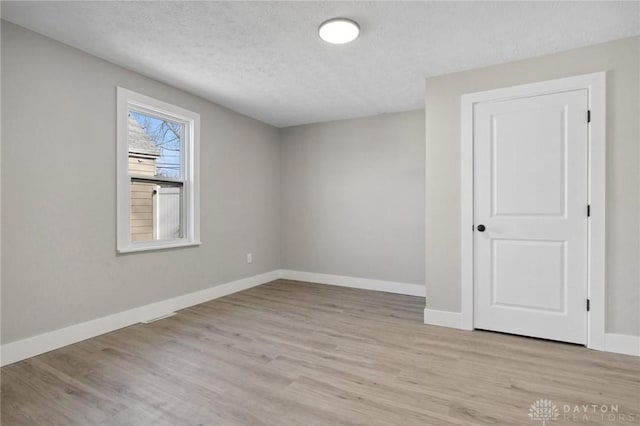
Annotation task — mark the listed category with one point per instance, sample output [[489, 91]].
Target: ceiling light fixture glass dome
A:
[[339, 30]]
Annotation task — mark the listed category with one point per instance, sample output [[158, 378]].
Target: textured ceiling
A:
[[265, 60]]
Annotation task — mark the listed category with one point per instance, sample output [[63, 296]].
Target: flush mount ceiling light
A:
[[339, 30]]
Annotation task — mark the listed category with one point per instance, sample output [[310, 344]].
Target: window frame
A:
[[190, 168]]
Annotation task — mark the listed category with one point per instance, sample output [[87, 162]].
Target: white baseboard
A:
[[32, 346], [622, 344], [354, 282], [443, 318], [616, 343]]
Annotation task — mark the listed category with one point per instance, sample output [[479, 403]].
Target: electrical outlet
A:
[[249, 258]]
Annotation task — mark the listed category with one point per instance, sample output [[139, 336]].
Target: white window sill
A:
[[159, 245]]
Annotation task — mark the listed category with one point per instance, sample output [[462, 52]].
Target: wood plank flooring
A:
[[291, 353]]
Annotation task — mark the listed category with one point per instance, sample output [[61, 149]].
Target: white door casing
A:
[[531, 195], [554, 252]]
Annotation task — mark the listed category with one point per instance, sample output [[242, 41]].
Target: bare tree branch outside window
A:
[[166, 136]]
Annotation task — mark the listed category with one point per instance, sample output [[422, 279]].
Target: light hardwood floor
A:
[[290, 353]]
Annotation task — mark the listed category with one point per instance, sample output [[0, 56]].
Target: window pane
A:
[[155, 146], [156, 210]]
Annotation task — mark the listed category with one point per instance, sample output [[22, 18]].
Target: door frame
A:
[[596, 85]]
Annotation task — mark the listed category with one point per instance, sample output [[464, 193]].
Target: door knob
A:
[[481, 228]]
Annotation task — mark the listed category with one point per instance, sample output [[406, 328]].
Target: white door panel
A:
[[535, 285], [530, 265]]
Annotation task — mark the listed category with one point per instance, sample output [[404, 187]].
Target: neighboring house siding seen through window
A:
[[157, 174], [142, 162]]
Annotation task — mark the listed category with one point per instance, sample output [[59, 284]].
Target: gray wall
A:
[[353, 197], [59, 263], [621, 61], [350, 193]]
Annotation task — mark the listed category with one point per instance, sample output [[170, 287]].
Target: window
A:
[[157, 169]]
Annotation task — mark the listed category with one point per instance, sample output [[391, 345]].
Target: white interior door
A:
[[530, 207]]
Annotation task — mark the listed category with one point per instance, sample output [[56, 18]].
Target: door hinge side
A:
[[588, 305], [588, 210], [588, 116]]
